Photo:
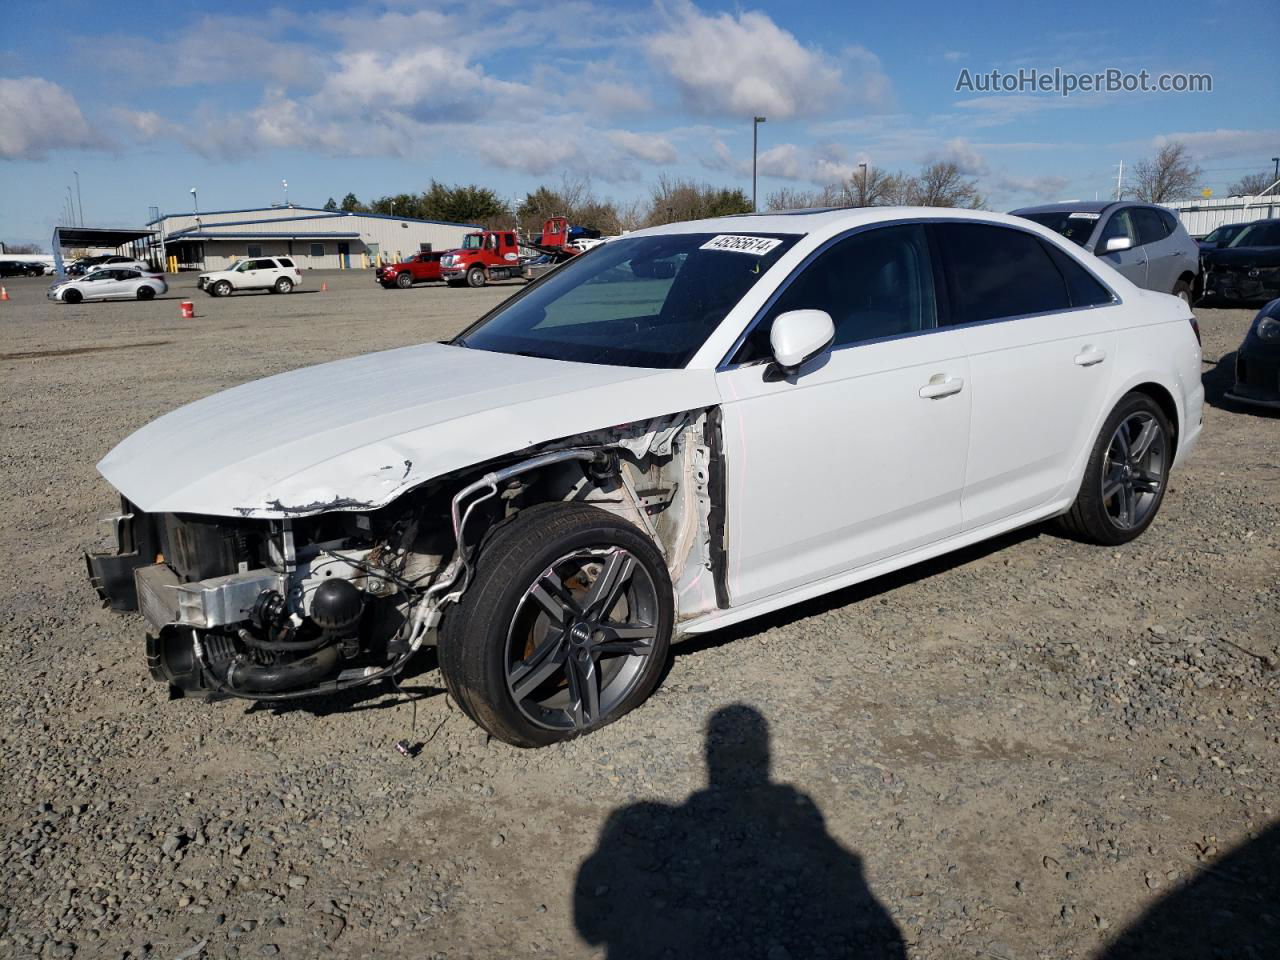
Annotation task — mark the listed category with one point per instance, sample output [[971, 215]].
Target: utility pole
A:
[[1275, 178], [1120, 181], [862, 200], [79, 201], [755, 145], [71, 207]]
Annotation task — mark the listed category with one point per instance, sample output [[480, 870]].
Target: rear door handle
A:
[[1089, 356], [938, 387]]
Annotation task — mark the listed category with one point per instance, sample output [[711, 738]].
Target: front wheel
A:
[[404, 281], [221, 289], [566, 626], [475, 277], [1125, 479], [283, 285], [72, 297]]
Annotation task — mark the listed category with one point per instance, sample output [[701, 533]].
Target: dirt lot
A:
[[1032, 749]]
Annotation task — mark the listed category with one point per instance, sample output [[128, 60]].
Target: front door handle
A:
[[938, 387], [1089, 356]]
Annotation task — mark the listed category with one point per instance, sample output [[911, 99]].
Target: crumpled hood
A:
[[356, 433]]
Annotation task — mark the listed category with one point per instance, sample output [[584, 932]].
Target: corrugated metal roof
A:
[[290, 235], [316, 210]]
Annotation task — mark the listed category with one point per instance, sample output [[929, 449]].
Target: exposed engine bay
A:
[[271, 609]]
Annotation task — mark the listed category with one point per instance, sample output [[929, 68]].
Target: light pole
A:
[[285, 184], [862, 199], [79, 202], [755, 144], [1275, 175], [195, 203]]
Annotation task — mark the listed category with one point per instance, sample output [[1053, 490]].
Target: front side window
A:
[[996, 272], [1120, 225], [874, 284], [639, 301], [473, 241], [1258, 235]]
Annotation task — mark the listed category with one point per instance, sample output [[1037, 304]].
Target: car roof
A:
[[826, 220]]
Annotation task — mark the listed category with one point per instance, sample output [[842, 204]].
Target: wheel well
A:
[[1165, 399], [1187, 277]]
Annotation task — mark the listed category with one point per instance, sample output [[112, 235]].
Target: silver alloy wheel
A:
[[1133, 470], [581, 637]]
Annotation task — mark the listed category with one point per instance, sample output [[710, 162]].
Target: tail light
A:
[[298, 273], [1195, 326]]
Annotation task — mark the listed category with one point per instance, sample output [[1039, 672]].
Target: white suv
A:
[[277, 274]]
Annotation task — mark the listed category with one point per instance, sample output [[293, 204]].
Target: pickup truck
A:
[[420, 268]]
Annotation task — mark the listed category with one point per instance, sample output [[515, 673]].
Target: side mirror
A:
[[1116, 244], [796, 337]]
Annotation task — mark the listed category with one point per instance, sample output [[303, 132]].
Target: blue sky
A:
[[378, 98]]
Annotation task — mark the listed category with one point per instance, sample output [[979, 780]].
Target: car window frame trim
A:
[[943, 302]]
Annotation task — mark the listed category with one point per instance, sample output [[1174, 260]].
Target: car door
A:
[[1039, 333], [100, 285], [859, 456], [1164, 254], [1132, 263]]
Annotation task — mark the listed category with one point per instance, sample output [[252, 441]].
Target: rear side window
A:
[[997, 272], [874, 284], [1169, 219], [264, 265], [1151, 226], [1083, 287]]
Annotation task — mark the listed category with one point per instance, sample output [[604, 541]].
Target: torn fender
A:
[[355, 434]]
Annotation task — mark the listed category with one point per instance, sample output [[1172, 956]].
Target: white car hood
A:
[[354, 434]]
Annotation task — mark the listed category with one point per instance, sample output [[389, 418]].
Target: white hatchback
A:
[[697, 424], [277, 274]]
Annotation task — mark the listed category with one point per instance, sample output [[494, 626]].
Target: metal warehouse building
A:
[[213, 240]]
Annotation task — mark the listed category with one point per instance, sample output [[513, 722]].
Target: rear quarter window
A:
[[286, 262]]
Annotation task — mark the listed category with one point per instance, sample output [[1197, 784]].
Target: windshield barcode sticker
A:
[[757, 246]]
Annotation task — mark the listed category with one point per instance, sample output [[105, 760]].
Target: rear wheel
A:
[[72, 296], [283, 285], [1126, 476], [404, 281], [1182, 290], [146, 293], [475, 277], [566, 626]]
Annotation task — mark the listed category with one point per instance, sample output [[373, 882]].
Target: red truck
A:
[[500, 254], [419, 268]]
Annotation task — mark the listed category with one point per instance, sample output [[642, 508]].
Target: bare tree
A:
[[1170, 175], [941, 184], [22, 248], [1252, 185], [789, 198], [876, 188]]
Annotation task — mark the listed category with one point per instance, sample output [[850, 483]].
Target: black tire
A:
[[72, 297], [221, 289], [475, 277], [404, 281], [146, 293], [478, 636], [283, 285], [1091, 516], [1182, 289]]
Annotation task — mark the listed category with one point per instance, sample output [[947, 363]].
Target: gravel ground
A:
[[1034, 748]]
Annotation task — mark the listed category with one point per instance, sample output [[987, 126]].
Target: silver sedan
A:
[[112, 284]]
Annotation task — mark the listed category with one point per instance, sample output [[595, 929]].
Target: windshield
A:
[[1075, 226], [473, 241], [1258, 235], [636, 302]]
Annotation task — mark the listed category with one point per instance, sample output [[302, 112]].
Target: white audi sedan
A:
[[681, 429]]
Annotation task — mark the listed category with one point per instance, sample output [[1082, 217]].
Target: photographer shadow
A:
[[742, 869]]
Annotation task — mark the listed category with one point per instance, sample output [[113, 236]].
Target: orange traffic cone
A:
[[4, 294], [324, 287]]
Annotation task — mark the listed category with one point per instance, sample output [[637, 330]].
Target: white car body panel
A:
[[356, 433], [847, 465]]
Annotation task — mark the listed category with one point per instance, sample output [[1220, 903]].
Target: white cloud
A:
[[1212, 144], [952, 56], [821, 166], [36, 116], [143, 125], [1046, 187], [962, 153], [644, 146], [610, 97], [744, 64]]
